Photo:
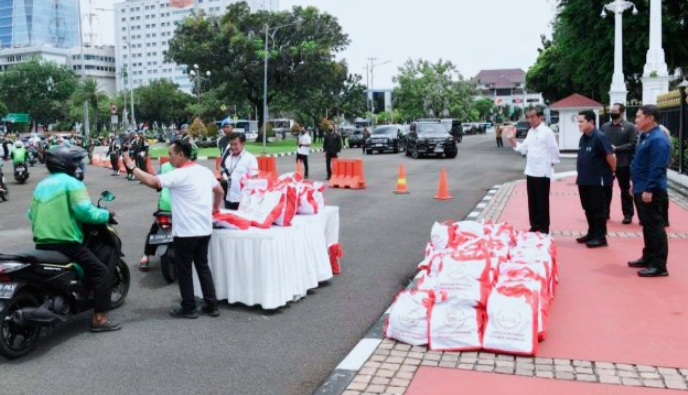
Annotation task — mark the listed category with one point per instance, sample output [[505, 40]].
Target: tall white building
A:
[[148, 25]]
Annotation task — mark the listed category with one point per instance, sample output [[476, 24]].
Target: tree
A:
[[3, 109], [431, 89], [89, 91], [232, 48], [161, 102], [580, 55], [40, 88], [484, 108]]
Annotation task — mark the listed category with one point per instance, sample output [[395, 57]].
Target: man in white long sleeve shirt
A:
[[542, 152]]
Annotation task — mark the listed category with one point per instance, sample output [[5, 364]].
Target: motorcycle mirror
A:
[[107, 196]]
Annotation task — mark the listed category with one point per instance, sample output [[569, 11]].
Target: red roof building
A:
[[575, 101]]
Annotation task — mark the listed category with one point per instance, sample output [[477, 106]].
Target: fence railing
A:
[[670, 112]]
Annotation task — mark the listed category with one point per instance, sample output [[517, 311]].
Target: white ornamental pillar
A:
[[618, 91], [656, 74]]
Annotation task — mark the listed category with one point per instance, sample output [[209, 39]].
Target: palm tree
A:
[[89, 91]]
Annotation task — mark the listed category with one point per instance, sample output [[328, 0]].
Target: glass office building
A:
[[26, 23]]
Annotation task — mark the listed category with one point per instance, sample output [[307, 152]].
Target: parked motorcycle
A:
[[162, 239], [21, 173], [41, 289], [4, 192]]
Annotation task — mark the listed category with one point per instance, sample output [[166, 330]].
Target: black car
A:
[[356, 139], [430, 139], [522, 129], [384, 138], [456, 130]]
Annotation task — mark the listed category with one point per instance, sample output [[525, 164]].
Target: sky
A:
[[474, 35]]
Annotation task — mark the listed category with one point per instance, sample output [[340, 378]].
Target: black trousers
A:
[[231, 205], [149, 249], [114, 162], [304, 160], [500, 142], [97, 273], [623, 178], [141, 162], [194, 250], [328, 164], [592, 199], [538, 203], [651, 214]]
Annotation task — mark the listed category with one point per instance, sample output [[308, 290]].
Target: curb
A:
[[344, 373], [281, 154]]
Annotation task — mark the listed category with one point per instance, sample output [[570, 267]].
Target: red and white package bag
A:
[[432, 261], [470, 229], [512, 321], [307, 203], [455, 324], [502, 231], [467, 280], [231, 220], [526, 278], [262, 207], [249, 184], [440, 236], [290, 177], [408, 317], [289, 207]]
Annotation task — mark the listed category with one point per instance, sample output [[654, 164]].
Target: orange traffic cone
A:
[[401, 181], [299, 167], [443, 190]]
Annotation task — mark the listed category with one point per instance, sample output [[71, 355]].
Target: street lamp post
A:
[[372, 74], [618, 91], [268, 35], [83, 69], [681, 123], [197, 79]]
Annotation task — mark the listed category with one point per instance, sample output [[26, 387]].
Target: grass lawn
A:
[[254, 148]]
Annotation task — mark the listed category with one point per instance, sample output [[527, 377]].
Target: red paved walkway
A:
[[440, 381], [604, 311]]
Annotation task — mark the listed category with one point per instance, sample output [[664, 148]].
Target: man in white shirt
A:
[[542, 152], [236, 163], [303, 150], [196, 195]]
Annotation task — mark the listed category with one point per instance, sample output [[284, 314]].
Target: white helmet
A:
[[18, 144]]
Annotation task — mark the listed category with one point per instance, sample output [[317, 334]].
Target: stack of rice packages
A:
[[480, 287], [265, 202]]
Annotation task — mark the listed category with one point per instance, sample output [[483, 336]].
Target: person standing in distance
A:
[[332, 146], [649, 174], [236, 163], [196, 195], [303, 150], [542, 153], [596, 165], [623, 136], [223, 141]]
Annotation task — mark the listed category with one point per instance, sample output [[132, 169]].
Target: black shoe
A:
[[109, 326], [653, 272], [637, 263], [583, 239], [596, 243], [209, 311], [180, 313], [627, 220]]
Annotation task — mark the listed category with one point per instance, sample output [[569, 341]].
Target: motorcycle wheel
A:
[[5, 195], [167, 266], [120, 284], [16, 341]]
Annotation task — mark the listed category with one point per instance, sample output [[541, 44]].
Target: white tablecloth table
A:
[[271, 267]]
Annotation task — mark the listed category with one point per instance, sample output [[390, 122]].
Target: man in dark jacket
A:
[[649, 170], [623, 135], [332, 146]]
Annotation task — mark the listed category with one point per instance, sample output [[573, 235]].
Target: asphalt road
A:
[[247, 350]]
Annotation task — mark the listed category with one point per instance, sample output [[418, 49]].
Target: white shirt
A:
[[541, 150], [304, 139], [239, 166], [191, 190]]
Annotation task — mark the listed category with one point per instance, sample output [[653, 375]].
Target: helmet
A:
[[60, 159], [18, 144], [226, 123]]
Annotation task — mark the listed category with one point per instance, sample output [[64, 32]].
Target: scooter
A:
[[162, 239], [32, 155], [21, 173], [40, 289], [4, 191]]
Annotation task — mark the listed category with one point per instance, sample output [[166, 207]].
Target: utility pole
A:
[[372, 76], [87, 132]]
